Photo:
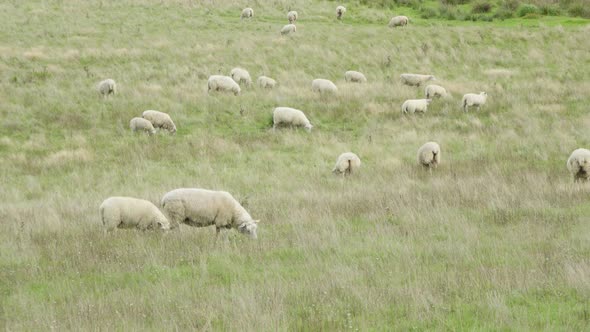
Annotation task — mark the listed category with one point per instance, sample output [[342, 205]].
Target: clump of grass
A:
[[481, 7], [526, 9]]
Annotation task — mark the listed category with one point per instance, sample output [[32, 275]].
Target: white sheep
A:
[[266, 82], [247, 13], [416, 79], [107, 87], [292, 16], [201, 208], [241, 76], [433, 90], [323, 86], [473, 99], [579, 164], [429, 155], [340, 10], [354, 76], [398, 21], [129, 212], [141, 124], [290, 116], [415, 105], [222, 83], [288, 29], [160, 120], [347, 163]]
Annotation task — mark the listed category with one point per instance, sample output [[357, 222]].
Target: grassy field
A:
[[497, 238]]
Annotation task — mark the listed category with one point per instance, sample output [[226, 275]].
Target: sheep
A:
[[266, 82], [292, 16], [141, 124], [129, 212], [429, 155], [247, 13], [322, 86], [398, 21], [579, 164], [222, 83], [347, 163], [107, 87], [354, 76], [415, 105], [433, 90], [201, 208], [473, 99], [290, 116], [160, 120], [288, 29], [340, 10], [241, 76], [416, 79]]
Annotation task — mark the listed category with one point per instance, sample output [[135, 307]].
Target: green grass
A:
[[496, 238]]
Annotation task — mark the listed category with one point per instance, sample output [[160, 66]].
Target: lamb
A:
[[354, 76], [141, 124], [288, 29], [290, 116], [340, 10], [129, 212], [247, 13], [266, 82], [241, 76], [222, 83], [107, 87], [416, 79], [579, 164], [160, 120], [323, 86], [398, 21], [415, 105], [201, 208], [473, 99], [429, 155], [292, 16], [433, 90], [347, 163]]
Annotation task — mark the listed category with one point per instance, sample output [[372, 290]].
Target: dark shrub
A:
[[525, 9], [481, 7]]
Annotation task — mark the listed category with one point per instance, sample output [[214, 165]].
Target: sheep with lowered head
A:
[[354, 76], [241, 76], [266, 82], [416, 79], [347, 163], [288, 29], [434, 90], [222, 83], [107, 87], [247, 13], [340, 10], [429, 155], [292, 16], [160, 120], [129, 212], [473, 99], [398, 21], [579, 164], [141, 124], [290, 116], [415, 105], [201, 208], [323, 86]]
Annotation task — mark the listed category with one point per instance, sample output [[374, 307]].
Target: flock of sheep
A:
[[200, 207]]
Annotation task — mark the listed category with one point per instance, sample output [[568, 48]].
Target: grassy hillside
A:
[[497, 237]]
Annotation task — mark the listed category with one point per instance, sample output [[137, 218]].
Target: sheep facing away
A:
[[398, 21], [201, 208], [288, 29], [241, 76], [323, 86], [340, 10], [429, 155], [433, 90], [141, 124], [354, 76], [107, 87], [247, 13], [579, 164], [415, 106], [290, 116], [416, 79], [473, 99], [292, 16], [222, 83], [129, 212], [160, 120], [347, 163], [266, 82]]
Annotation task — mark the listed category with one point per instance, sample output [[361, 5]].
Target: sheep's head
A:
[[428, 101], [483, 93], [249, 228], [432, 78], [308, 127], [163, 224]]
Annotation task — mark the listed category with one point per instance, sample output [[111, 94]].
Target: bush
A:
[[510, 5], [527, 9], [481, 7], [427, 12], [449, 12], [503, 13], [579, 10], [550, 10]]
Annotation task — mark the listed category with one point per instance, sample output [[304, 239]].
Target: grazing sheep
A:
[[129, 212], [266, 82], [107, 87], [290, 116], [340, 10], [160, 120], [429, 155], [473, 99], [347, 163], [201, 208], [433, 90], [292, 16], [247, 13], [323, 86], [398, 21], [579, 165], [241, 76], [288, 29], [416, 79], [354, 76], [141, 124], [222, 83], [415, 105]]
